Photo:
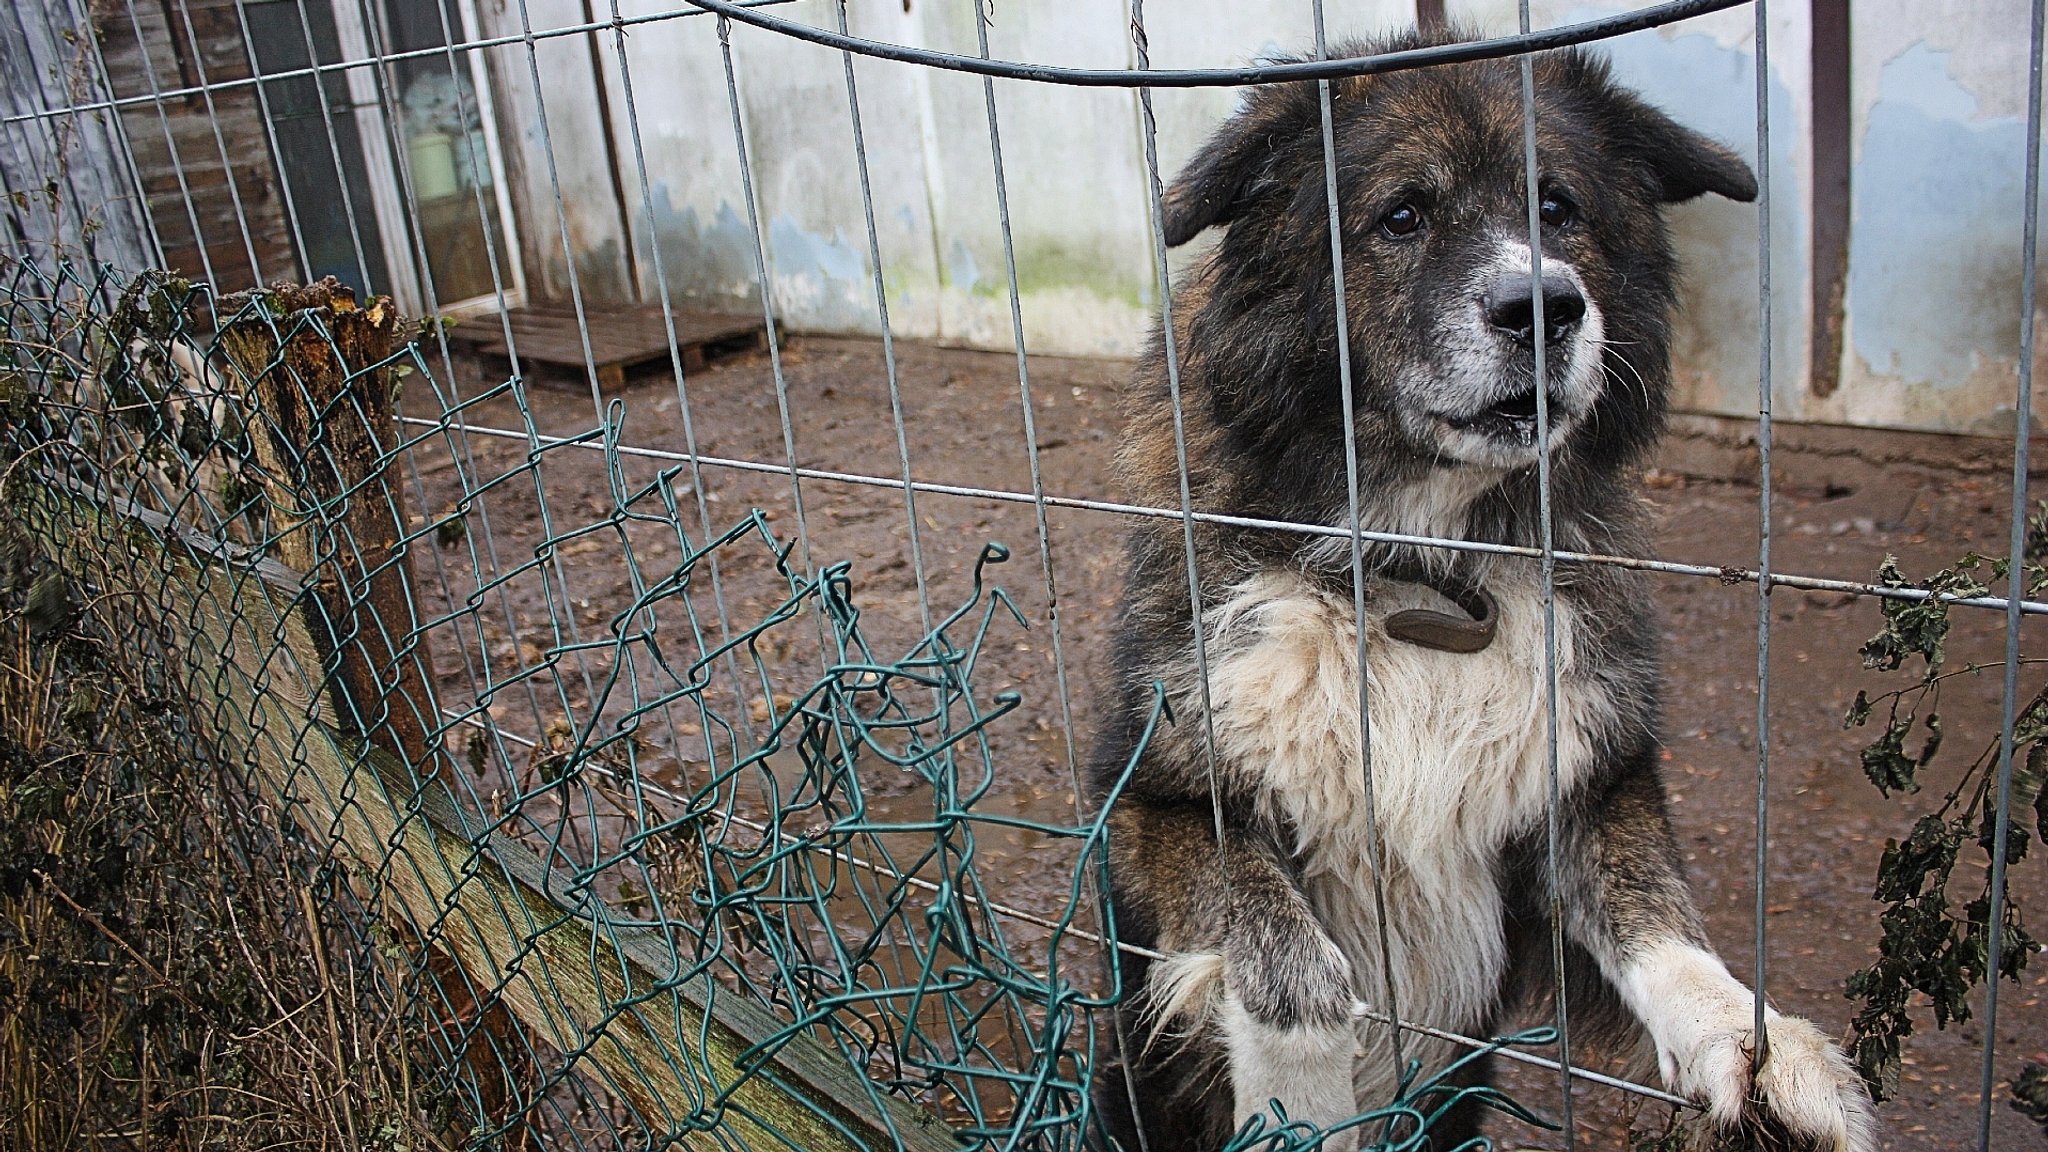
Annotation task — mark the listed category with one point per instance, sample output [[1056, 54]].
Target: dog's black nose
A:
[[1511, 308]]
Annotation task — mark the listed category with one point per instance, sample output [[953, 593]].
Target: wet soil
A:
[[963, 424]]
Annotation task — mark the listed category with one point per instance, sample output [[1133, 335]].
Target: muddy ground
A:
[[963, 426]]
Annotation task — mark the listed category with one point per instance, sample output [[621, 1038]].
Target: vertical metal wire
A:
[[551, 572], [1156, 193], [895, 956], [478, 148], [2016, 579], [765, 282], [1002, 187], [487, 148], [348, 203], [220, 143], [170, 146], [1760, 1043], [336, 156], [1340, 297], [867, 205], [480, 502], [663, 296], [547, 144], [564, 620], [117, 128], [1180, 440], [1016, 297], [1531, 192], [1048, 573], [284, 185], [458, 445], [761, 266], [1156, 217], [411, 635]]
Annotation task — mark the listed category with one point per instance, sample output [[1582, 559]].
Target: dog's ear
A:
[[1685, 163], [1224, 174]]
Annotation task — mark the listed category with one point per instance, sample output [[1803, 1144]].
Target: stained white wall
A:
[[1932, 335], [1073, 161], [1938, 193]]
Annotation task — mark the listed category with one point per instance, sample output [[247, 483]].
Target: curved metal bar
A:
[[1563, 36]]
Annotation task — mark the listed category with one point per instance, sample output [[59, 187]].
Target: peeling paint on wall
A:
[[961, 270], [700, 262], [1938, 147], [1710, 85], [1934, 265], [827, 281]]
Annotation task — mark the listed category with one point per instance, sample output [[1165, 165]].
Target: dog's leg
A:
[[1627, 905], [1304, 1066], [1287, 997], [1250, 967]]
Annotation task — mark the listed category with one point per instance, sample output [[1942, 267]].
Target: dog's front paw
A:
[[1806, 1095]]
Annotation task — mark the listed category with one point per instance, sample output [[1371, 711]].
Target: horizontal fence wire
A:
[[1723, 573], [762, 840]]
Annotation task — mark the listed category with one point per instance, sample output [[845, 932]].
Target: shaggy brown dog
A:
[[1279, 930]]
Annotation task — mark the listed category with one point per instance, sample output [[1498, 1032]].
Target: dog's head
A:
[[1435, 225]]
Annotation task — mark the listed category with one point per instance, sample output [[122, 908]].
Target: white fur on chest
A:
[[1459, 757], [1438, 506]]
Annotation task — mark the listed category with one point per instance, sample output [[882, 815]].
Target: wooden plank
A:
[[139, 40], [640, 330], [240, 639], [552, 334]]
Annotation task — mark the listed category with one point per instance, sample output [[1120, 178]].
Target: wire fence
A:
[[667, 908], [688, 855]]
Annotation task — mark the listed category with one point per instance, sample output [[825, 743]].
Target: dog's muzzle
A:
[[1512, 418]]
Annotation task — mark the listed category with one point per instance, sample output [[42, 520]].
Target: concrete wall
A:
[[1931, 337], [1933, 301], [1073, 162]]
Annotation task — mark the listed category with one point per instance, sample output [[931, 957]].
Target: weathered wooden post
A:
[[323, 638], [313, 363], [325, 431]]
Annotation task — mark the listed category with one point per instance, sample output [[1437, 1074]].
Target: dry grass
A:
[[166, 977]]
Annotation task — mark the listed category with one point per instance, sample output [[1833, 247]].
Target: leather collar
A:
[[1446, 631]]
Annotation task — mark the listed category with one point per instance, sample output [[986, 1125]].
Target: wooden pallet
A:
[[620, 338]]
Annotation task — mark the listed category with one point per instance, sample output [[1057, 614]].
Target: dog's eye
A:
[[1557, 211], [1401, 220]]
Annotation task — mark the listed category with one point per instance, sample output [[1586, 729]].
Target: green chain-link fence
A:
[[621, 873]]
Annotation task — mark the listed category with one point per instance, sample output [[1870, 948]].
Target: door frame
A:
[[384, 152]]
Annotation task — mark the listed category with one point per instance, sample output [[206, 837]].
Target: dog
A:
[[1279, 918]]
